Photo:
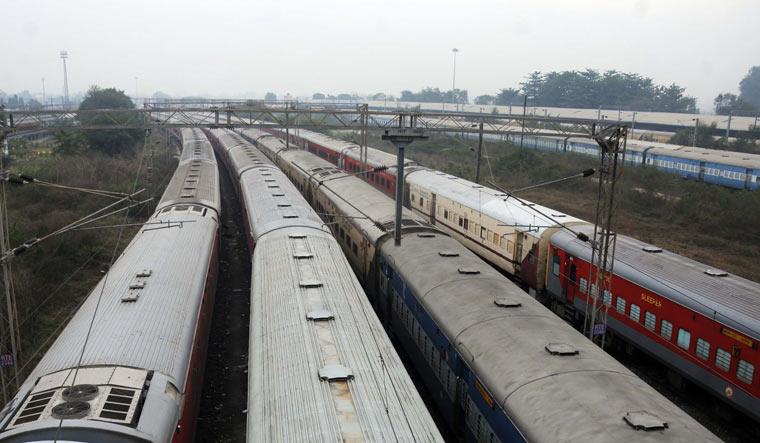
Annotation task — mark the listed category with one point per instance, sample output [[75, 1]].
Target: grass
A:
[[708, 223]]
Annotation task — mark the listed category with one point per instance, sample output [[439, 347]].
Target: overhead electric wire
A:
[[105, 281]]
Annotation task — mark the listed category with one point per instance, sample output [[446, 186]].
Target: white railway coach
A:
[[138, 376], [321, 367]]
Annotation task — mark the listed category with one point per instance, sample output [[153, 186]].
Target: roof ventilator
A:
[[561, 349], [425, 235], [310, 284], [297, 236], [644, 421], [715, 273], [137, 285], [301, 255], [448, 254], [506, 302], [651, 249], [468, 271], [320, 315], [335, 373]]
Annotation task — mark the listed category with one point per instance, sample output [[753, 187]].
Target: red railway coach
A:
[[701, 322]]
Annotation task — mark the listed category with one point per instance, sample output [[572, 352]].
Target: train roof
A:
[[522, 214], [729, 299], [195, 146], [732, 158], [194, 182], [300, 273], [156, 331], [581, 397]]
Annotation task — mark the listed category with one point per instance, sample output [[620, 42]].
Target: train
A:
[[498, 364], [321, 367], [703, 323], [737, 170], [128, 366]]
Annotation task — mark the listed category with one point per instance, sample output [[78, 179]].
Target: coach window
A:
[[620, 305], [555, 268], [460, 221], [422, 201], [355, 249], [607, 298], [341, 233], [722, 359], [650, 320], [635, 313], [702, 349], [684, 338], [466, 224], [745, 371], [495, 238], [446, 214], [483, 232]]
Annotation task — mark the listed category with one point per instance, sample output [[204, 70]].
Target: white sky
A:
[[246, 48]]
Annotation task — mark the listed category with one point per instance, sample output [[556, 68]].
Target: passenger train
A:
[[138, 376], [703, 323], [499, 365], [321, 367], [736, 170]]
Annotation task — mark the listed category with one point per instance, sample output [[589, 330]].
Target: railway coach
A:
[[128, 367], [321, 367]]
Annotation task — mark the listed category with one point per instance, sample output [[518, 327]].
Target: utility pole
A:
[[43, 93], [136, 90], [612, 143], [696, 125], [401, 138], [525, 108], [454, 80], [64, 56], [728, 128], [480, 149]]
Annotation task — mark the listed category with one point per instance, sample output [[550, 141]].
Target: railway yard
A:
[[306, 315]]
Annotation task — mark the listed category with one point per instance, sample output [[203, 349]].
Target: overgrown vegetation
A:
[[708, 223], [52, 278]]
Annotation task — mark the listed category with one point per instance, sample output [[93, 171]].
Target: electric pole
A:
[[612, 143], [64, 56]]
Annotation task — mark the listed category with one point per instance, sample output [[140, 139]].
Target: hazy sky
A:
[[236, 48]]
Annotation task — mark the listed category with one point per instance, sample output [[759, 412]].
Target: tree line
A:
[[592, 89]]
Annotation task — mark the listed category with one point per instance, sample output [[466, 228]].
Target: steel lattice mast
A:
[[612, 143]]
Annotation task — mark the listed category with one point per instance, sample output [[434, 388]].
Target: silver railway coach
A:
[[321, 367], [128, 366]]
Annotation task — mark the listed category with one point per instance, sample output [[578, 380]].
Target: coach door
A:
[[571, 271], [432, 208]]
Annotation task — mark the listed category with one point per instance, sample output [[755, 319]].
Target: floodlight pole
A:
[[401, 138]]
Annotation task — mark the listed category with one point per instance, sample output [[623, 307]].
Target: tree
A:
[[69, 142], [506, 97], [112, 141], [344, 96], [318, 96], [484, 100], [377, 97], [33, 105], [270, 96], [749, 87], [685, 137], [729, 103]]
